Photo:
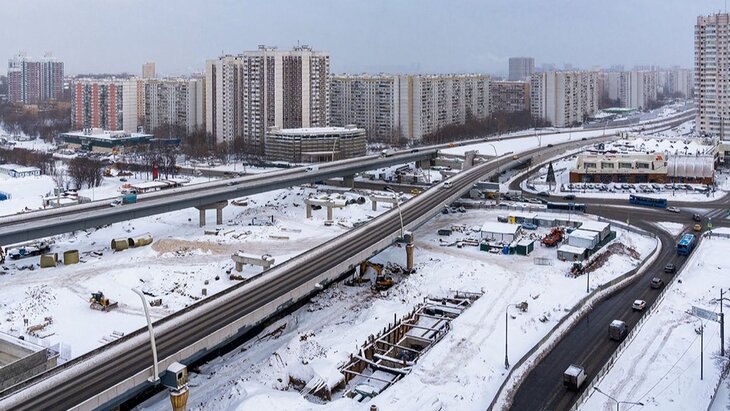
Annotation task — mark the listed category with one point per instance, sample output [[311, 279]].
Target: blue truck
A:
[[124, 199]]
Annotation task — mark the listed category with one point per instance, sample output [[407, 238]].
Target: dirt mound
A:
[[614, 248]]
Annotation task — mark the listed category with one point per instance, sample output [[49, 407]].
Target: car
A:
[[569, 197], [115, 203], [673, 209], [697, 227], [447, 184], [529, 226], [670, 268], [583, 138], [416, 191], [543, 194], [550, 145], [656, 282], [696, 217], [638, 305]]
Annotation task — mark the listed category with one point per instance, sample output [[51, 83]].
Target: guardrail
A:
[[576, 310]]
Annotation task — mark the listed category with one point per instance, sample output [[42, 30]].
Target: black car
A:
[[670, 268], [569, 197], [696, 217]]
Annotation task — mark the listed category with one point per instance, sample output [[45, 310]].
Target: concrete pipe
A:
[[49, 260], [140, 241], [119, 244], [71, 257]]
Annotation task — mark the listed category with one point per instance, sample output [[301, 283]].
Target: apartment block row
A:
[[564, 98], [639, 88], [251, 92], [390, 107], [32, 81], [131, 104]]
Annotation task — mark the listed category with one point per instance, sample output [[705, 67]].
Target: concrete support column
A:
[[219, 216], [409, 256], [309, 210], [348, 181], [329, 213], [179, 399], [202, 217], [239, 266], [375, 204]]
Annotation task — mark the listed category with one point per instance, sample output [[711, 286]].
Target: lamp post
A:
[[400, 215], [496, 156], [155, 372], [506, 333], [618, 403]]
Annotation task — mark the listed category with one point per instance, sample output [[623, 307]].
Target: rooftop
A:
[[97, 133], [501, 228], [316, 130]]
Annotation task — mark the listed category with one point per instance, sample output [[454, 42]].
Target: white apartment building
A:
[[634, 89], [521, 68], [266, 88], [565, 97], [177, 102], [712, 73], [369, 101]]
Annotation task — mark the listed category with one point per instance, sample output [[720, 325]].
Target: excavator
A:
[[100, 302], [382, 281]]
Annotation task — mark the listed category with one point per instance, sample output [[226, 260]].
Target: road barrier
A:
[[540, 350]]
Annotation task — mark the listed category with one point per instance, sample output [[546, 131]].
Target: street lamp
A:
[[496, 156], [400, 215], [618, 403], [506, 332], [155, 374]]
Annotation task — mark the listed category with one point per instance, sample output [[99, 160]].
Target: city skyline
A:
[[375, 37]]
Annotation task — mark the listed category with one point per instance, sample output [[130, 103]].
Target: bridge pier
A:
[[218, 207], [424, 163], [468, 160], [348, 181], [383, 199], [410, 248], [330, 204]]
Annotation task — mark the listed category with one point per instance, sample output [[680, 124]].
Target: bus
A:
[[567, 206], [648, 201], [686, 244]]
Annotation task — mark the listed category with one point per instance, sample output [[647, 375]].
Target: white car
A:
[[447, 184], [638, 305], [116, 203], [673, 209]]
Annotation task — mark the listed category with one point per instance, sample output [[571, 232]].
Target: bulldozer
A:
[[100, 302]]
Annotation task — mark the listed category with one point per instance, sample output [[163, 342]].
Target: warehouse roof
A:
[[501, 228], [588, 235], [566, 248], [594, 226]]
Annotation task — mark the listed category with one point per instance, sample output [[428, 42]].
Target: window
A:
[[607, 165], [624, 165], [642, 165]]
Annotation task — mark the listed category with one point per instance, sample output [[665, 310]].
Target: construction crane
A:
[[100, 302]]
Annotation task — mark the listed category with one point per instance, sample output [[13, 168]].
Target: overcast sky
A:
[[426, 36]]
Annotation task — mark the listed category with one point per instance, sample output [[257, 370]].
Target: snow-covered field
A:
[[661, 365], [674, 229], [463, 371], [176, 267]]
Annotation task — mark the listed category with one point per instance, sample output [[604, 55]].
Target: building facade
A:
[[521, 68], [266, 88], [712, 73], [148, 70], [371, 102], [105, 141], [564, 98], [509, 96], [316, 144], [175, 102], [97, 104], [658, 168], [32, 81]]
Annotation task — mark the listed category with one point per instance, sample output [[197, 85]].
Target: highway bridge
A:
[[112, 373]]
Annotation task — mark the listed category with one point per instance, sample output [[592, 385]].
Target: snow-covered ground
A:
[[176, 267], [661, 365], [463, 371], [674, 229]]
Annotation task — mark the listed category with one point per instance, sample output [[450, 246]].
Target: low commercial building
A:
[[14, 170], [603, 229], [503, 232], [315, 145], [568, 252], [583, 239], [643, 168], [96, 139]]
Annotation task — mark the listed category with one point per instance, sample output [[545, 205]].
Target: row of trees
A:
[[497, 123], [24, 157], [85, 171], [46, 122]]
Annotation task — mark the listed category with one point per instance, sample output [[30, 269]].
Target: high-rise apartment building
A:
[[148, 70], [265, 88], [33, 81], [521, 68], [175, 102], [97, 104], [408, 106], [564, 98], [368, 101], [509, 96], [712, 74]]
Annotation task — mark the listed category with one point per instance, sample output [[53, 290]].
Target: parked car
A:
[[569, 197], [529, 226], [656, 282], [638, 305], [670, 268], [697, 227], [673, 209]]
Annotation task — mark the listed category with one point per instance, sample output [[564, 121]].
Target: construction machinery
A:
[[576, 269], [100, 302], [382, 280], [554, 237]]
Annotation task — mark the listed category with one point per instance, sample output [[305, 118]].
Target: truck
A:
[[29, 250], [617, 330], [574, 376], [124, 199]]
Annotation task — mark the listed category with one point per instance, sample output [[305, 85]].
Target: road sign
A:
[[706, 314]]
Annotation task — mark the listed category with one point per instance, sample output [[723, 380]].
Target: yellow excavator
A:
[[382, 281]]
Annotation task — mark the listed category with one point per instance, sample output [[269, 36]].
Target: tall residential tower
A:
[[712, 74]]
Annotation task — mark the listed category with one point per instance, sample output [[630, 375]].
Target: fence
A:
[[596, 293]]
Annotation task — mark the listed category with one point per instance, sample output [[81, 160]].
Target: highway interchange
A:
[[77, 380]]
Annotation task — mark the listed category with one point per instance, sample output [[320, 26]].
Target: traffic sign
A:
[[706, 314]]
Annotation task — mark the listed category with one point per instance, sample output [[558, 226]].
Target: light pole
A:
[[618, 403], [506, 333], [496, 156], [722, 322], [155, 374], [400, 215]]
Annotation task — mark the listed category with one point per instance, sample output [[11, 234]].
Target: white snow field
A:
[[661, 365], [463, 371]]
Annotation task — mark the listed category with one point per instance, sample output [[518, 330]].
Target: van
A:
[[617, 330], [574, 376]]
